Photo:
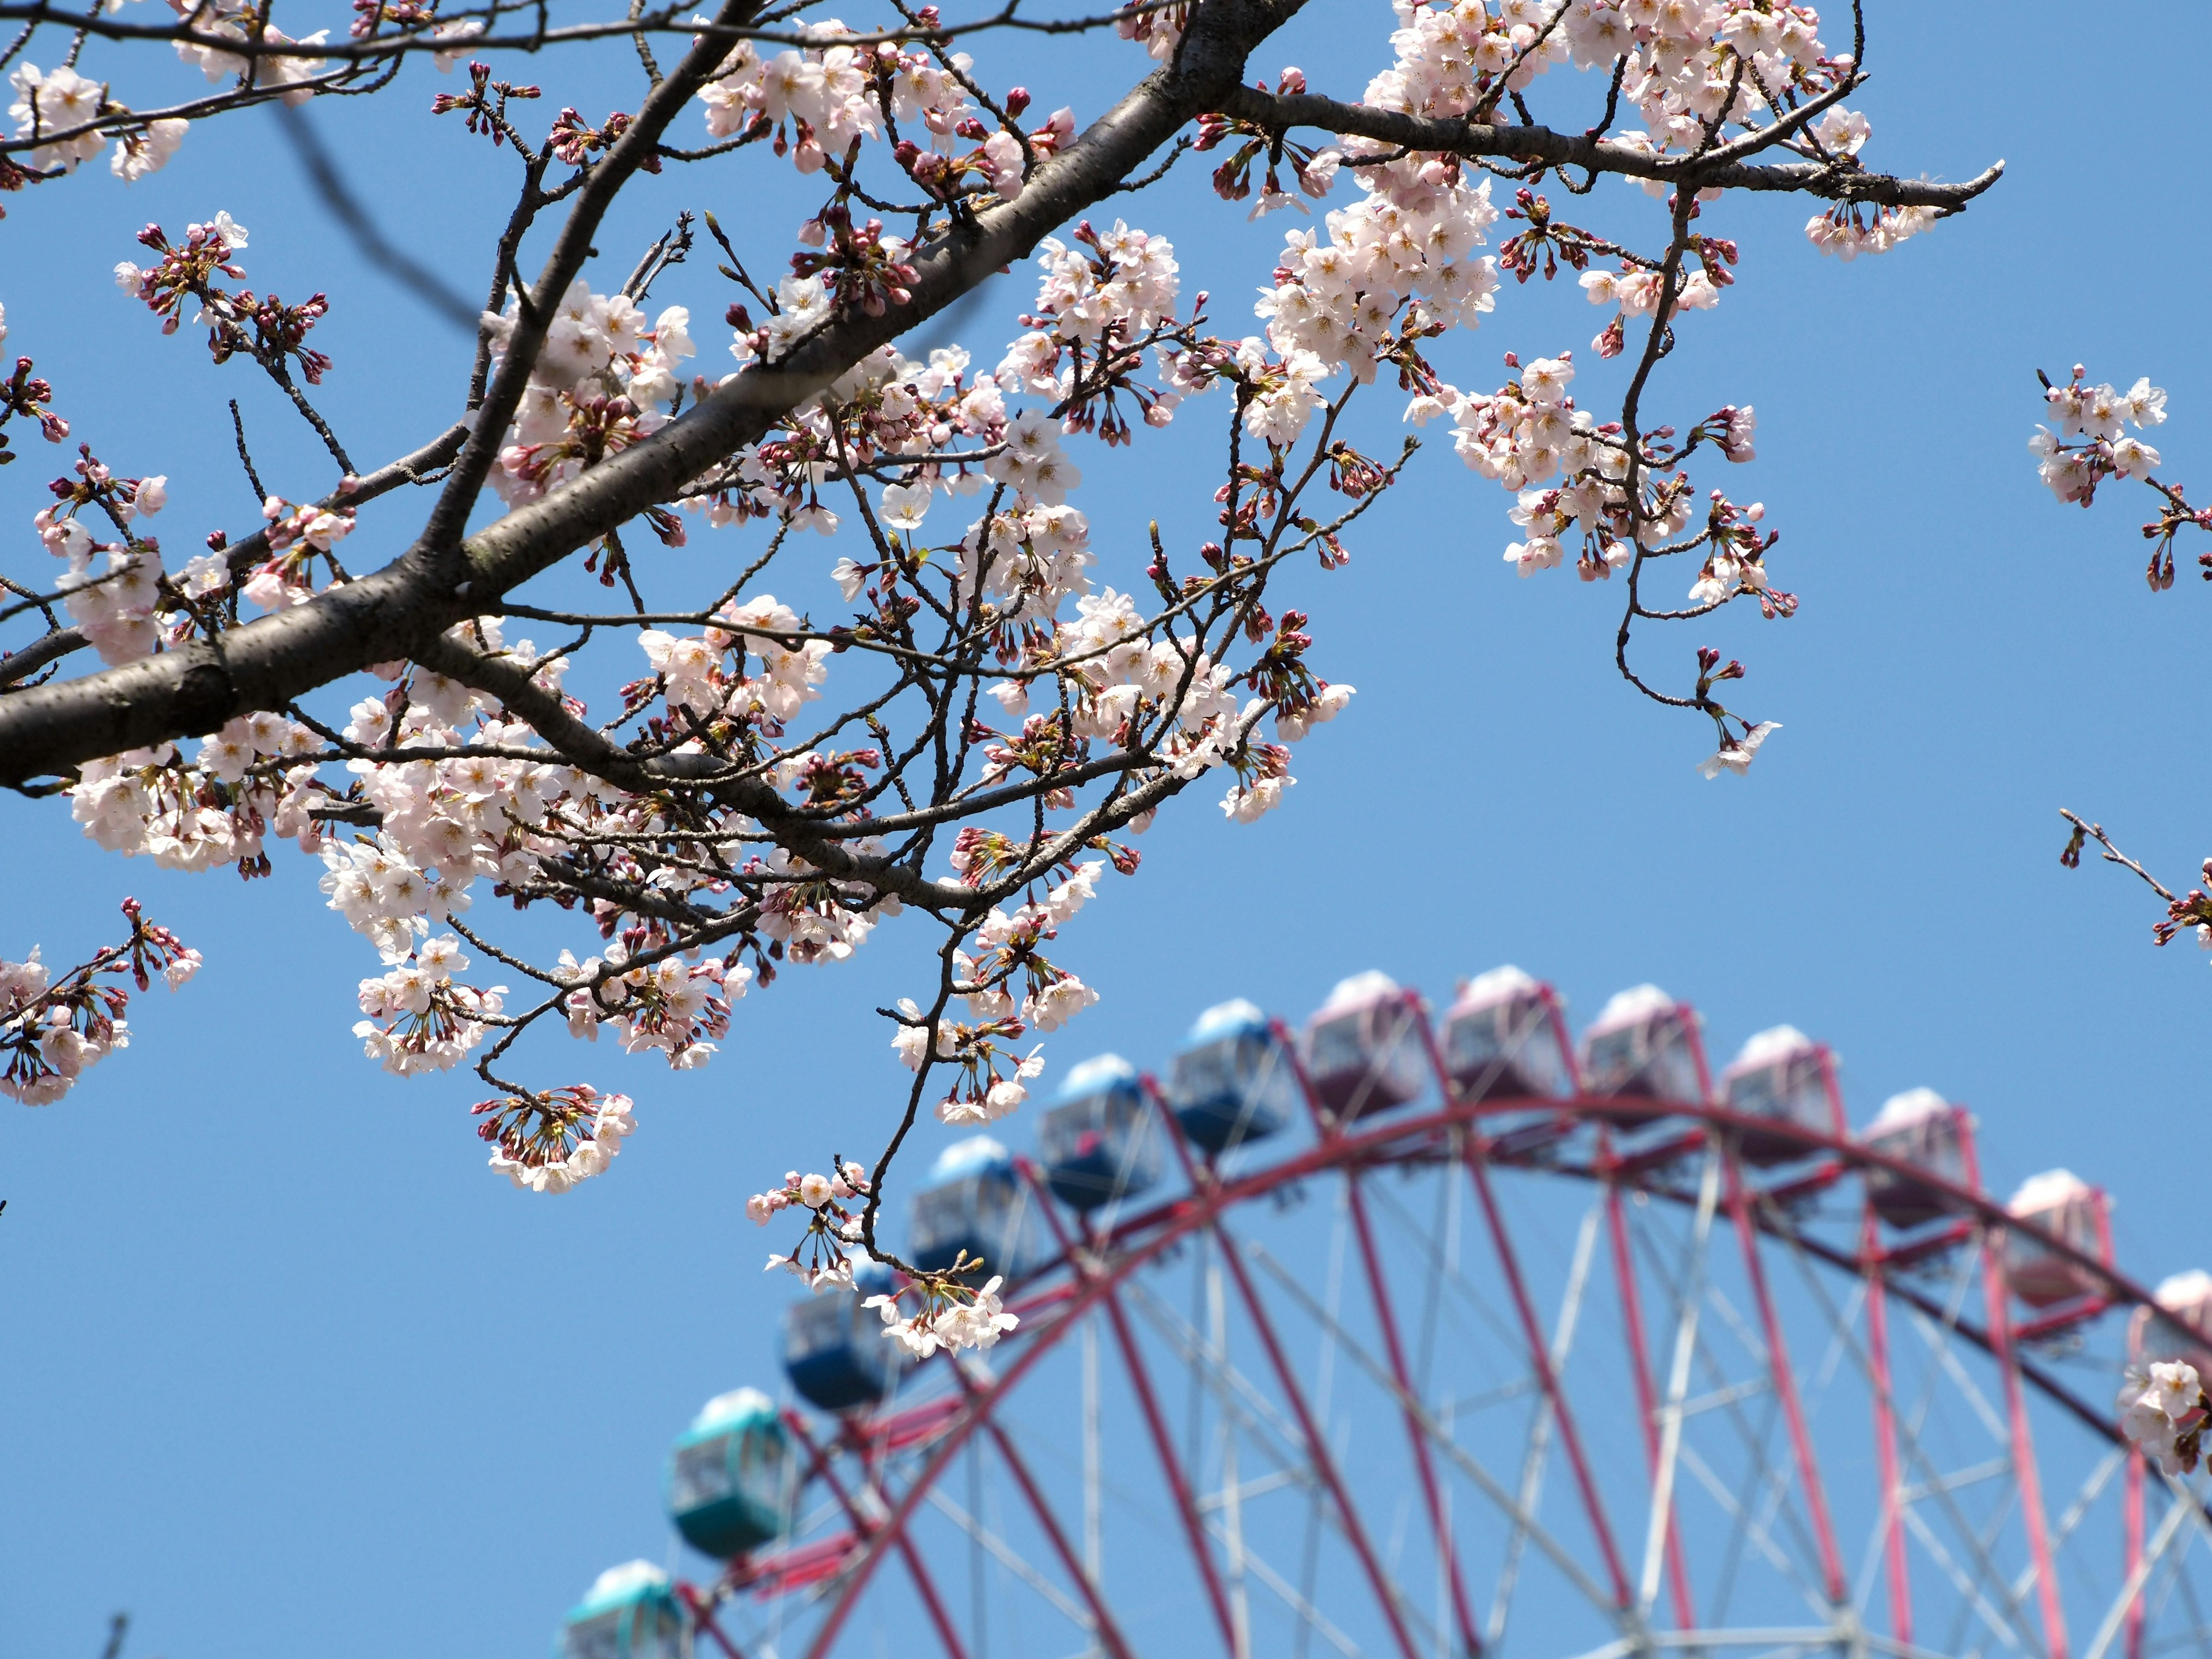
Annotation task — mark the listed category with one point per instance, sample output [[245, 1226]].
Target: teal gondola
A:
[[629, 1613], [730, 1475]]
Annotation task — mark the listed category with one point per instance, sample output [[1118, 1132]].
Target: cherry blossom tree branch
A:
[[1721, 168], [391, 613]]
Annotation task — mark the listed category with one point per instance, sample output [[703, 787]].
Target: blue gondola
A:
[[1782, 1075], [1231, 1082], [1363, 1052], [1504, 1039], [629, 1613], [835, 1351], [976, 1201], [729, 1475], [1644, 1044], [1100, 1143]]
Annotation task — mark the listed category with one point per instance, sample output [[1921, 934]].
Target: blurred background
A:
[[286, 1369]]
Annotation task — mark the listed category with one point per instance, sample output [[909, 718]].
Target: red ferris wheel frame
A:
[[1089, 1271]]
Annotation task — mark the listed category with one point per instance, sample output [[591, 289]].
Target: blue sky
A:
[[284, 1360]]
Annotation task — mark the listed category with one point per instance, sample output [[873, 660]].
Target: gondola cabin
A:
[[976, 1200], [1230, 1082], [1783, 1077], [730, 1475], [1505, 1038], [835, 1351], [1362, 1049], [1644, 1045], [2074, 1212], [2179, 1326], [1100, 1142], [1921, 1128], [629, 1613]]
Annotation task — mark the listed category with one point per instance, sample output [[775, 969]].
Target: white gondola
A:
[[1783, 1076], [2071, 1210], [1505, 1038], [1644, 1045], [1921, 1128], [1101, 1142], [976, 1200], [1363, 1049], [2179, 1327]]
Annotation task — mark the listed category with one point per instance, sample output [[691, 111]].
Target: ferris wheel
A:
[[1416, 1336]]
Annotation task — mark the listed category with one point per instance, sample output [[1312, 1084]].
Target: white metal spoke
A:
[[1970, 1593], [1678, 1380], [1011, 1559], [1752, 1529], [1539, 1427], [1490, 1485], [2169, 1528], [1311, 1617]]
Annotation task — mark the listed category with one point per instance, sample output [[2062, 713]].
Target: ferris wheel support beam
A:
[[1108, 1633], [1540, 1428], [1890, 1523], [1156, 1422], [1532, 1334], [1423, 1461], [1317, 1448], [924, 1585], [703, 1618], [1786, 1388], [1937, 1324], [1647, 1402], [1539, 1358], [1998, 1290], [1488, 1484], [1202, 1181]]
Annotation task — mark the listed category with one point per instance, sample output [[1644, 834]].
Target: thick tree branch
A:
[[395, 612], [1831, 181]]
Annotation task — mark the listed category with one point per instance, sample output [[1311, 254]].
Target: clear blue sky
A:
[[287, 1369]]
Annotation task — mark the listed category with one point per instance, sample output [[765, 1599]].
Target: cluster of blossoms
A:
[[599, 384], [1850, 229], [113, 589], [430, 1022], [232, 20], [951, 1315], [2099, 417], [249, 777], [2163, 1410], [63, 102], [549, 1142], [50, 1031], [1098, 301], [709, 673], [670, 1007], [820, 1258], [978, 1093], [820, 101], [1395, 266], [240, 322]]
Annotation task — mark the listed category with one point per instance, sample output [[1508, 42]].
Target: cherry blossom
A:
[[2163, 1410]]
